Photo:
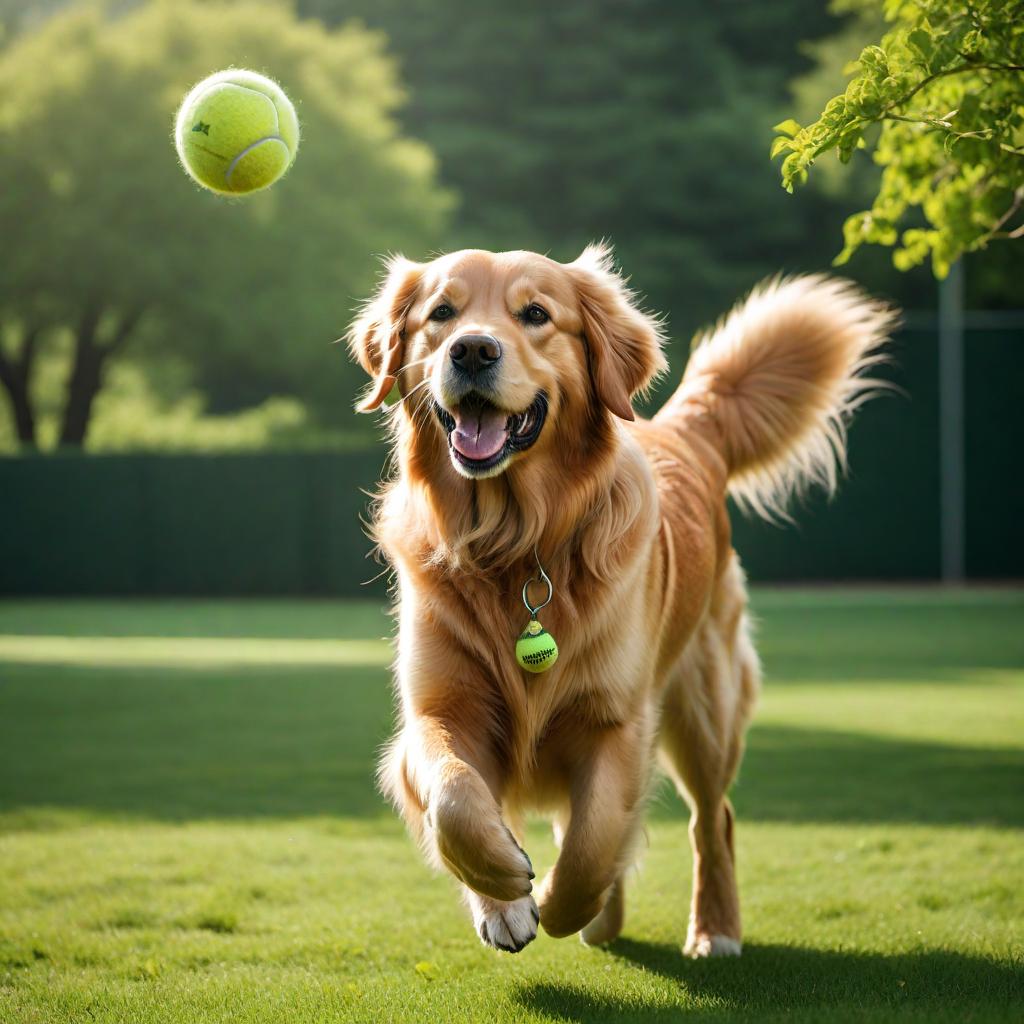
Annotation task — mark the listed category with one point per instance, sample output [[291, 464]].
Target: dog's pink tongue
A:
[[479, 433]]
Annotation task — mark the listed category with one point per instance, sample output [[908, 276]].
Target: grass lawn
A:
[[189, 830]]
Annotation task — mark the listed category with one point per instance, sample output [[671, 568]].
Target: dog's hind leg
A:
[[706, 710], [607, 926]]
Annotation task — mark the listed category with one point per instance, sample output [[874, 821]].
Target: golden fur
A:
[[629, 519]]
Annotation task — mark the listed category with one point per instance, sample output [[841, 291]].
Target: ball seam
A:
[[249, 149]]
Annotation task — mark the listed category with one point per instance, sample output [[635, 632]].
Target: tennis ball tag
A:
[[236, 132], [536, 650]]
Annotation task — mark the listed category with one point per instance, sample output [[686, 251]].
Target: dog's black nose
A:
[[474, 352]]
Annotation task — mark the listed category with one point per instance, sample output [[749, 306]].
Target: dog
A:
[[516, 448]]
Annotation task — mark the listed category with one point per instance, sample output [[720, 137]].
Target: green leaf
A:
[[787, 127], [920, 42], [874, 62], [851, 140], [948, 48]]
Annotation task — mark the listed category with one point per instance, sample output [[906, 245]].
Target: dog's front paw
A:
[[473, 841], [506, 926]]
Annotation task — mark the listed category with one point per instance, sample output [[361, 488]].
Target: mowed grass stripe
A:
[[190, 652]]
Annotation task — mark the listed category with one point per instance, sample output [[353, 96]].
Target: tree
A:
[[640, 120], [946, 85], [105, 236]]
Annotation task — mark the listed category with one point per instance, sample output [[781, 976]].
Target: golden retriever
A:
[[515, 443]]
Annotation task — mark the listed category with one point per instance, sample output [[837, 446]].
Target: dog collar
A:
[[536, 650]]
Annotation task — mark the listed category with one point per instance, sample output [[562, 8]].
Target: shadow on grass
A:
[[224, 744], [804, 775], [797, 983], [244, 744]]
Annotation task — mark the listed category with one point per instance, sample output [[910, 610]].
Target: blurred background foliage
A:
[[112, 256], [138, 312]]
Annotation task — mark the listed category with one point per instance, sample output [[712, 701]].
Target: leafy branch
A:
[[954, 164]]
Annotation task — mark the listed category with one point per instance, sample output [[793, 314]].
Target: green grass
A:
[[189, 830]]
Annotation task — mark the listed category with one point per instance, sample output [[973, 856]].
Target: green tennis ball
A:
[[236, 132], [536, 650]]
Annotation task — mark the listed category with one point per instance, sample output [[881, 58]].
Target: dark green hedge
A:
[[290, 523]]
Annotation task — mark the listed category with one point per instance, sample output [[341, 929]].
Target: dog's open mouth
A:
[[481, 436]]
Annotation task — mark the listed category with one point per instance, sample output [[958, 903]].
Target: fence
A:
[[290, 523]]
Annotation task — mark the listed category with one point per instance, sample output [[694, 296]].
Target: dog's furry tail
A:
[[774, 383]]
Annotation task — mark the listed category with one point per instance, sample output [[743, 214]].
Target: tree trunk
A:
[[16, 377], [85, 379], [87, 371], [17, 391]]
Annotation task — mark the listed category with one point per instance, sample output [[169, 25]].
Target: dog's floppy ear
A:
[[623, 342], [377, 337]]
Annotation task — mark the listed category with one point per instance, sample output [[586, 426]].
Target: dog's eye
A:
[[534, 314], [443, 312]]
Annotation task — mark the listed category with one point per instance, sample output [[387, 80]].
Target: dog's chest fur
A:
[[457, 643]]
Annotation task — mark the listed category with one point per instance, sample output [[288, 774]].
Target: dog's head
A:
[[514, 353]]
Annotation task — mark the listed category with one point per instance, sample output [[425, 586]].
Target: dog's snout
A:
[[474, 352]]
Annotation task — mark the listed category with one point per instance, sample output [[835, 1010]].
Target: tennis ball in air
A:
[[536, 650], [236, 132]]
